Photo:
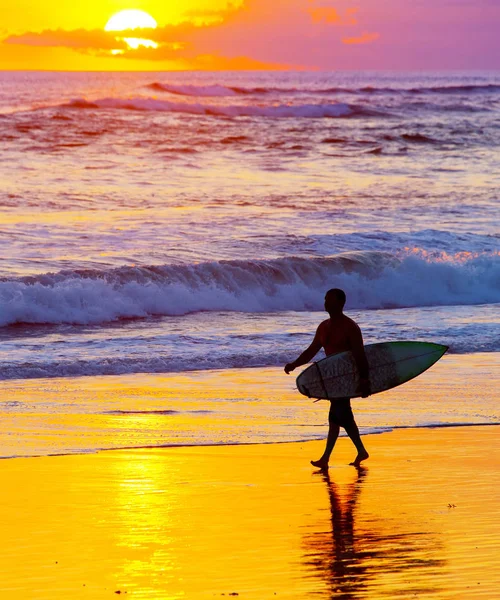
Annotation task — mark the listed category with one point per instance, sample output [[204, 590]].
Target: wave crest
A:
[[228, 91], [214, 90], [274, 111], [373, 280]]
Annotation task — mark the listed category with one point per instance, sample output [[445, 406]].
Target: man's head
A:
[[334, 301]]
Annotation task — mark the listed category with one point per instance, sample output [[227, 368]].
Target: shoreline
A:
[[65, 416], [235, 406], [342, 435]]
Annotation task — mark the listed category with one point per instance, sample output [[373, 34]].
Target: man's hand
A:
[[289, 368], [364, 388]]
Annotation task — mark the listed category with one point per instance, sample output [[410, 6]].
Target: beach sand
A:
[[421, 520]]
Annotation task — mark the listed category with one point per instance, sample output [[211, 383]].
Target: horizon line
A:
[[311, 70]]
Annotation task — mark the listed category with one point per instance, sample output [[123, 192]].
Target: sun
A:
[[127, 20], [130, 19]]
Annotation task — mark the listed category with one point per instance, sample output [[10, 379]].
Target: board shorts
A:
[[341, 412]]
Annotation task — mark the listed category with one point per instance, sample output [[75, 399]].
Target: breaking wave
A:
[[228, 91], [204, 90], [280, 111], [374, 280]]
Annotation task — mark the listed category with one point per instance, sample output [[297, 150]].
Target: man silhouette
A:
[[338, 334]]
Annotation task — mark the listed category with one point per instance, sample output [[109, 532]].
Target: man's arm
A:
[[358, 351], [307, 355]]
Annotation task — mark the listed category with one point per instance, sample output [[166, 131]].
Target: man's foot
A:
[[320, 464], [359, 458]]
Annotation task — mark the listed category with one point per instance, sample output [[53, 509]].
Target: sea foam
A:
[[374, 280]]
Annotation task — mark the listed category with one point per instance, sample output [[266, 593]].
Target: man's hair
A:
[[338, 293]]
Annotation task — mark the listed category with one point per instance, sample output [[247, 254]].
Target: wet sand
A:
[[421, 520]]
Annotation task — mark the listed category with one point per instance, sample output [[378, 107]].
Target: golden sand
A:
[[422, 520]]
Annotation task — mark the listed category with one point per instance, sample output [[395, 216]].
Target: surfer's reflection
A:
[[335, 552], [349, 560]]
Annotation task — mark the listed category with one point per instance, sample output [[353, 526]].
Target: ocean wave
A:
[[457, 107], [418, 138], [125, 366], [214, 90], [280, 111], [272, 110], [374, 280], [434, 242], [228, 91], [454, 89], [255, 352], [437, 89]]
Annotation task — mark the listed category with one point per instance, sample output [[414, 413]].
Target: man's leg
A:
[[333, 434], [353, 432]]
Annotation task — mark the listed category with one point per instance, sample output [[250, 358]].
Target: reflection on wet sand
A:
[[360, 555], [199, 523]]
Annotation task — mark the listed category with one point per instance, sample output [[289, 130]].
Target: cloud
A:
[[77, 39], [331, 16], [209, 16], [176, 43], [364, 38], [99, 39], [325, 14], [188, 58]]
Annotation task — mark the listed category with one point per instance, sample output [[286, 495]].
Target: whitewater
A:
[[170, 223]]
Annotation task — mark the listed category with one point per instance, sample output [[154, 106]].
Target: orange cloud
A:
[[324, 14], [211, 17], [171, 47], [99, 39], [364, 38], [331, 16], [188, 59], [77, 39]]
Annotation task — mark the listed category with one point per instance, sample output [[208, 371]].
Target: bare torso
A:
[[337, 335]]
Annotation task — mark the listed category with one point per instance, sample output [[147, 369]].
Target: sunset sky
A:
[[255, 34]]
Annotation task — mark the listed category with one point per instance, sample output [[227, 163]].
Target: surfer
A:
[[337, 334]]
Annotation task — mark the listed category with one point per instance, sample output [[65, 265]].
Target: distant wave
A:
[[435, 242], [418, 138], [456, 89], [375, 280], [457, 107], [222, 90], [438, 89], [281, 111], [168, 91], [205, 90]]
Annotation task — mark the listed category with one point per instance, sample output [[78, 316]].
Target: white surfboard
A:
[[390, 363]]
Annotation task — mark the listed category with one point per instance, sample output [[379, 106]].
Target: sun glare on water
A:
[[127, 20]]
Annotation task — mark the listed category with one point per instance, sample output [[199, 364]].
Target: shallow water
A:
[[234, 406]]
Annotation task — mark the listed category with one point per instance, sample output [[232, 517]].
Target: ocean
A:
[[185, 226]]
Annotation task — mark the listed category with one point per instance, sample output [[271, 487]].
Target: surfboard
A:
[[391, 364]]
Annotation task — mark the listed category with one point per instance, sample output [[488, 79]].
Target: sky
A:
[[254, 35]]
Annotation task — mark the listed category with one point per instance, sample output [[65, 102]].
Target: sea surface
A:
[[177, 223]]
